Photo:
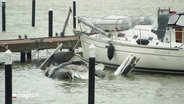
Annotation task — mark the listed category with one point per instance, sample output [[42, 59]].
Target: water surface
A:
[[138, 88]]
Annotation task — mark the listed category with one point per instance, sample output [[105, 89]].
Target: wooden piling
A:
[[8, 77], [74, 14], [29, 55], [3, 15], [33, 13], [50, 23], [91, 81], [22, 57]]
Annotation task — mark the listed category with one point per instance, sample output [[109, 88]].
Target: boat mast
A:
[[82, 20]]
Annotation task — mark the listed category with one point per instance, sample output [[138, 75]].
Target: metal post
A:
[[50, 22], [22, 57], [91, 81], [74, 14], [33, 13], [8, 77], [3, 15]]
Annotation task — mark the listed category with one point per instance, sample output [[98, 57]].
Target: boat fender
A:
[[100, 73], [110, 51]]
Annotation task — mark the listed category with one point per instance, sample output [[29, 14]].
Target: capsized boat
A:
[[160, 48], [68, 65]]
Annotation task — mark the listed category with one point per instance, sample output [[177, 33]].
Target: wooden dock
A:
[[24, 45]]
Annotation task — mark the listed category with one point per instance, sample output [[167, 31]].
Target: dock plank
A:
[[19, 45]]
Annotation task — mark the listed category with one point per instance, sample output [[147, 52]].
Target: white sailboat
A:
[[116, 37]]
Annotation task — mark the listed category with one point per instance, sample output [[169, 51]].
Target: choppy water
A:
[[139, 88]]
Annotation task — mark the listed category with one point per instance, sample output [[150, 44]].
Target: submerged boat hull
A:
[[157, 58]]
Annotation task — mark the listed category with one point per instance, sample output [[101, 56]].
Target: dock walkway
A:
[[23, 45]]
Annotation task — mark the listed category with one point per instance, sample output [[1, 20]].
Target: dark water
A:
[[32, 87]]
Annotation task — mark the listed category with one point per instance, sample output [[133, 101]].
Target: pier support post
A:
[[29, 55], [91, 81], [8, 77], [33, 12], [3, 15], [74, 14], [50, 22], [22, 57]]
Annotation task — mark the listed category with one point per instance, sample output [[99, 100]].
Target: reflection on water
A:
[[138, 88]]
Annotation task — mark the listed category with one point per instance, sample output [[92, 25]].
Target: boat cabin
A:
[[170, 26], [176, 28]]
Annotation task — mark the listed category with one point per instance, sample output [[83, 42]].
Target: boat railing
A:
[[137, 33], [146, 34]]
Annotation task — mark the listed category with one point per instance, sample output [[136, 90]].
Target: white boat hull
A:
[[164, 59]]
